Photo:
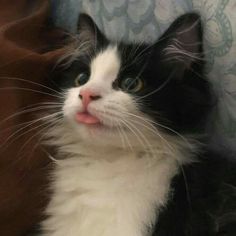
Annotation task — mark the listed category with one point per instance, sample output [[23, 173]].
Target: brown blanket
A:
[[26, 53]]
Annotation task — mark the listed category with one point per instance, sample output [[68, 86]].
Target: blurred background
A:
[[32, 39]]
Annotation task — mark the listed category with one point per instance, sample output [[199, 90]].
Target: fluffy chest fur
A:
[[104, 198]]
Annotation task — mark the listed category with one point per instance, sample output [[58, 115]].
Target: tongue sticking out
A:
[[86, 118]]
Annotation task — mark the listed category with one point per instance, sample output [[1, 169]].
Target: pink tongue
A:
[[86, 118]]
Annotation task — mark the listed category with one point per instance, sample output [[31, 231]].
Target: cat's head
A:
[[129, 93]]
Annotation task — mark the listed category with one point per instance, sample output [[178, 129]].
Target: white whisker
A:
[[141, 137], [45, 128], [30, 90], [158, 89], [31, 82], [11, 137], [28, 111]]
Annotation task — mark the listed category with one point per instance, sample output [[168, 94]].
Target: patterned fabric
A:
[[141, 20]]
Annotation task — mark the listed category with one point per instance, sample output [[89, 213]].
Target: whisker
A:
[[16, 126], [47, 126], [31, 82], [132, 55], [153, 123], [186, 185], [122, 131], [131, 129], [121, 137], [149, 147], [66, 60], [141, 138], [30, 90], [175, 132], [159, 88], [25, 111], [126, 138], [53, 159], [28, 125], [155, 132], [21, 154]]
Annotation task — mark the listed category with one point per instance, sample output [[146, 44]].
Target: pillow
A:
[[147, 20]]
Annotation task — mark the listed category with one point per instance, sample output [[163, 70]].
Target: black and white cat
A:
[[130, 160]]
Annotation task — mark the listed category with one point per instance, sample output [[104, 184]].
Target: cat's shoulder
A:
[[203, 200]]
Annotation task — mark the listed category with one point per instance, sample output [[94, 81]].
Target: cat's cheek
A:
[[68, 113], [72, 104]]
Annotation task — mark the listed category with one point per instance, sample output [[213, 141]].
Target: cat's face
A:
[[104, 103], [96, 106], [128, 94]]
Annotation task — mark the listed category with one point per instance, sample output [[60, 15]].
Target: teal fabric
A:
[[146, 20]]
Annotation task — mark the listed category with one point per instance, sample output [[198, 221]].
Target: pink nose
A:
[[88, 96]]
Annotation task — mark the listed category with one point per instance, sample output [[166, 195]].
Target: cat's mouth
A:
[[87, 118]]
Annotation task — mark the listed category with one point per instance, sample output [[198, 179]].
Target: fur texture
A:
[[132, 116]]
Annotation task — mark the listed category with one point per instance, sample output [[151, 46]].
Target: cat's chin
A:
[[100, 135], [95, 131]]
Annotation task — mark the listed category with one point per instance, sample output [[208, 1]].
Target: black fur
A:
[[184, 100], [203, 199]]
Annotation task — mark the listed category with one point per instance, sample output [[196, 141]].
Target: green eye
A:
[[132, 85], [81, 79]]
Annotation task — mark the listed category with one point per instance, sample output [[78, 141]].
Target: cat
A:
[[132, 155]]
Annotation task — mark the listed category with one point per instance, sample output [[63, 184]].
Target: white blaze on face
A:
[[116, 110], [104, 70]]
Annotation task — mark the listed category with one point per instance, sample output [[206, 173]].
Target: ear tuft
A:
[[184, 44], [88, 30], [85, 22]]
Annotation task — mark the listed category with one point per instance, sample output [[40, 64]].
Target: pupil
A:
[[83, 78], [131, 84]]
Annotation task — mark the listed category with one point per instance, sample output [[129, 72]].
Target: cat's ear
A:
[[183, 42], [88, 30]]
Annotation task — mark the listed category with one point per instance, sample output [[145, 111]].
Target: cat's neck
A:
[[111, 153], [113, 184], [122, 193], [180, 149]]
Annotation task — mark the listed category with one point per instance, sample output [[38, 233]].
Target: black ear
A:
[[88, 30], [183, 42]]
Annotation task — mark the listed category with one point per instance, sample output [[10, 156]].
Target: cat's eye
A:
[[132, 85], [81, 79]]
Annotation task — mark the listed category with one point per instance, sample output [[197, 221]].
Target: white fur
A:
[[110, 180]]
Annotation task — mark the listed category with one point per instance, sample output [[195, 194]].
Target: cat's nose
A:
[[88, 96]]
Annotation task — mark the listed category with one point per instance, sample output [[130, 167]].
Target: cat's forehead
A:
[[111, 60], [106, 64]]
